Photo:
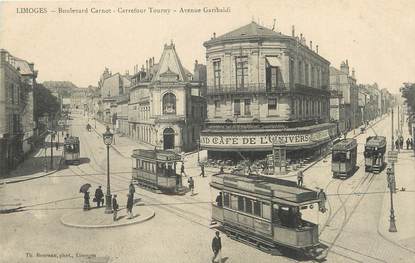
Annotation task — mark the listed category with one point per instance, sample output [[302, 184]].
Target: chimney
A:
[[146, 65], [31, 66], [196, 62], [214, 35], [142, 67], [153, 61], [353, 73], [311, 45], [347, 62], [293, 31], [317, 49]]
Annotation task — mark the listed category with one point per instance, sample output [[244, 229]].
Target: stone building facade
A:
[[165, 108], [264, 88], [17, 80]]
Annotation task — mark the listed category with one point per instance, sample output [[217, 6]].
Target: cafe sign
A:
[[266, 140]]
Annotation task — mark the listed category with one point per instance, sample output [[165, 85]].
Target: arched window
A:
[[169, 103]]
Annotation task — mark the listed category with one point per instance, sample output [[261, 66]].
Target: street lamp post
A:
[[107, 137], [391, 182], [51, 149]]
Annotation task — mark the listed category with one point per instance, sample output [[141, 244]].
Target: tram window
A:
[[241, 203], [248, 205], [266, 211], [234, 202], [338, 157], [257, 208], [226, 199]]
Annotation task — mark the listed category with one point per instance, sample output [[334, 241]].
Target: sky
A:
[[377, 37]]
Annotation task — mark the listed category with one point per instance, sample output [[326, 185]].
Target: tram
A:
[[265, 212], [71, 150], [375, 149], [156, 170], [344, 155]]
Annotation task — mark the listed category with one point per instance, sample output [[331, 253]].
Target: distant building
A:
[[111, 87], [166, 109], [345, 85], [17, 81], [265, 88]]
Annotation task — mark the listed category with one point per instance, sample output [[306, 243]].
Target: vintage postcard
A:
[[207, 131]]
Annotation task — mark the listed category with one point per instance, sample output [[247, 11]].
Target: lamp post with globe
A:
[[107, 137]]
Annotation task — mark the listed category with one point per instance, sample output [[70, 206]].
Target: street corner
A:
[[96, 218]]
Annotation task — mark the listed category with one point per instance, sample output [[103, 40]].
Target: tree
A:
[[408, 93], [44, 102]]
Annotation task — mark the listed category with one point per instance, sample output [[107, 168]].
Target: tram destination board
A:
[[392, 156]]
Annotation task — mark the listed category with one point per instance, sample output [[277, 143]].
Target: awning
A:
[[273, 61]]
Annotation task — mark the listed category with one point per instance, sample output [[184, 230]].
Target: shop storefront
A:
[[256, 144]]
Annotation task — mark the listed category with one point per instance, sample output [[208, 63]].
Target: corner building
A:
[[265, 88]]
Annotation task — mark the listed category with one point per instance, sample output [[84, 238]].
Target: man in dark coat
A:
[[99, 196], [115, 207], [130, 201], [202, 169], [131, 189], [217, 247], [182, 171]]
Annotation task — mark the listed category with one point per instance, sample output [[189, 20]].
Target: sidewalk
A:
[[402, 202], [32, 168]]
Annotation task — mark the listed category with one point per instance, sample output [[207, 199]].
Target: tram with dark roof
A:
[[71, 150], [156, 170], [343, 158], [266, 212], [374, 153]]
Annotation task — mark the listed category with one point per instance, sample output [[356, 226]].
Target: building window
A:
[[241, 66], [257, 208], [306, 74], [247, 107], [241, 204], [272, 106], [272, 72], [291, 72], [237, 107], [226, 200], [216, 73], [248, 205], [217, 107], [300, 72], [169, 103]]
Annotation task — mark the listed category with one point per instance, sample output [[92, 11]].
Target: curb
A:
[[107, 226], [35, 177]]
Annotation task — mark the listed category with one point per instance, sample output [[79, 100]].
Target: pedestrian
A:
[[408, 143], [221, 170], [217, 247], [86, 201], [191, 184], [57, 145], [131, 189], [300, 176], [202, 169], [322, 203], [412, 143], [182, 171], [397, 144], [401, 142], [99, 196], [130, 201], [114, 207]]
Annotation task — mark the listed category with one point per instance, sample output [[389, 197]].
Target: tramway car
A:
[[71, 150], [266, 212], [375, 149], [344, 155], [156, 170]]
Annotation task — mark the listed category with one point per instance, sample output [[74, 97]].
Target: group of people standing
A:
[[399, 143], [99, 200]]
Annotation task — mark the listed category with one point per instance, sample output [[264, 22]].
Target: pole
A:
[[392, 223], [108, 207], [198, 150], [51, 151], [393, 141]]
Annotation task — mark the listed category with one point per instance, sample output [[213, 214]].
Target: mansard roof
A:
[[170, 63]]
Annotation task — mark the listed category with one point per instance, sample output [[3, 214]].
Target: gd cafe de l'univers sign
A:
[[263, 140]]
